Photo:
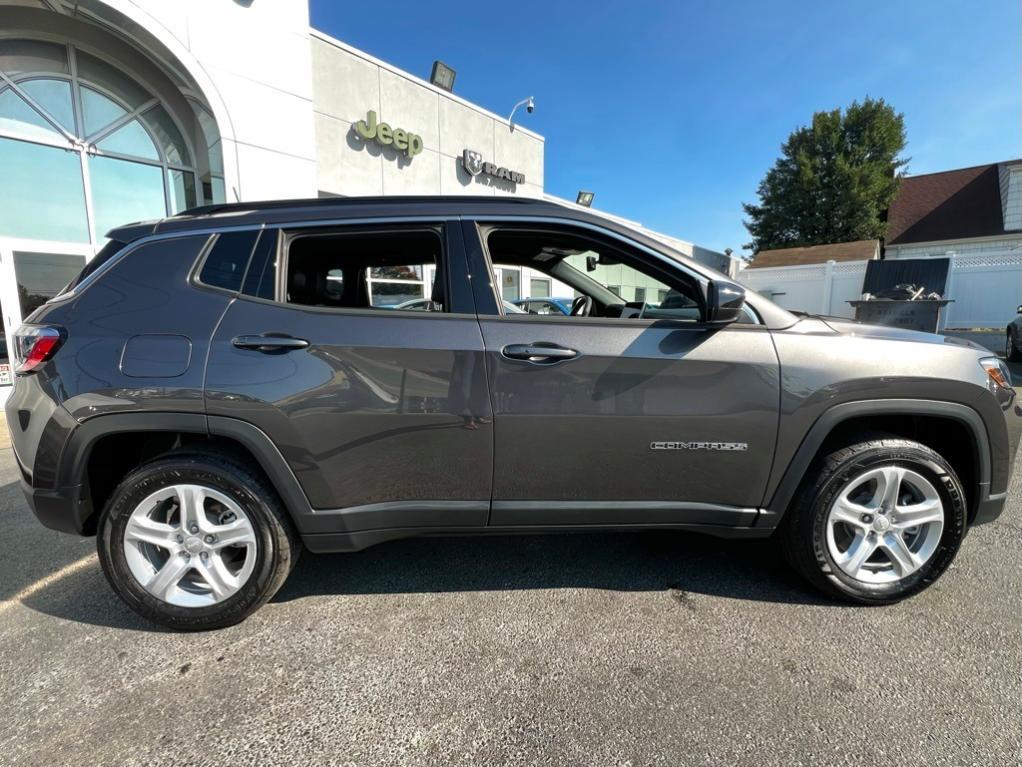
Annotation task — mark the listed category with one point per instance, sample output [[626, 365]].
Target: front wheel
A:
[[195, 541], [879, 521]]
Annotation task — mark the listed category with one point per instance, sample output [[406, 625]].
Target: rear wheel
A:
[[195, 541], [880, 520]]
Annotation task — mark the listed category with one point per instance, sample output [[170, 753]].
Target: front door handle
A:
[[538, 352], [270, 343]]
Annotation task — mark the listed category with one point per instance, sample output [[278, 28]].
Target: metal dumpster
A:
[[922, 314]]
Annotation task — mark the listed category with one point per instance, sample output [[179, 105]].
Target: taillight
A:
[[33, 345]]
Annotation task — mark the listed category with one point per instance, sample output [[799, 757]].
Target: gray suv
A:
[[220, 389]]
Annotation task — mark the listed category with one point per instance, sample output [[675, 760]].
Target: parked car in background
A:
[[545, 305], [1013, 340], [221, 389]]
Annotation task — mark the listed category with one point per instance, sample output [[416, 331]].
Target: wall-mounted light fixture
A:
[[442, 76], [585, 199]]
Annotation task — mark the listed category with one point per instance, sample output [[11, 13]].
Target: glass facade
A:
[[85, 148], [41, 193], [41, 276]]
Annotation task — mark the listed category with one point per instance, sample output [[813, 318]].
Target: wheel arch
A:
[[103, 449], [921, 420]]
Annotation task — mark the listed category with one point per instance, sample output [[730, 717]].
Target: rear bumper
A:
[[64, 509]]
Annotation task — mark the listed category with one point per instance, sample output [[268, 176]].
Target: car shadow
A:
[[680, 563]]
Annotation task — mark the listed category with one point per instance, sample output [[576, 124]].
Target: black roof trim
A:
[[343, 202]]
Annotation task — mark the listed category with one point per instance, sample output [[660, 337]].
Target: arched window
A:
[[85, 148]]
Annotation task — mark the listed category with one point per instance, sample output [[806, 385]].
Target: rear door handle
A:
[[270, 343], [538, 352]]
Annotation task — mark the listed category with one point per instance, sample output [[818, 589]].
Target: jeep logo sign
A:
[[474, 164], [382, 133]]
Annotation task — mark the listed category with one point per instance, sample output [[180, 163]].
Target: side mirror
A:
[[1019, 310], [724, 302], [591, 263]]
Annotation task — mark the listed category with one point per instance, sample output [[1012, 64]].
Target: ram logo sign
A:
[[474, 165]]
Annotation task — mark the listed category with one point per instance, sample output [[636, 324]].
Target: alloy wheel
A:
[[190, 546], [885, 524]]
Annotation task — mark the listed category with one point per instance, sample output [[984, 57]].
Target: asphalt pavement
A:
[[563, 650]]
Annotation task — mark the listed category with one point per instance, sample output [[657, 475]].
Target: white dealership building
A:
[[114, 111]]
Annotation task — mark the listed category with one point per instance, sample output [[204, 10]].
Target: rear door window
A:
[[384, 270]]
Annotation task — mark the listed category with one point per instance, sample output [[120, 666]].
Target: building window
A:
[[640, 294], [509, 278], [41, 192], [85, 148], [41, 276], [539, 288], [391, 286], [615, 289]]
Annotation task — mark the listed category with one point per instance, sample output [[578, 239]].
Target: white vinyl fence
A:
[[985, 288], [817, 288]]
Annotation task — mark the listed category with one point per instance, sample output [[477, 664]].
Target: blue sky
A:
[[672, 111]]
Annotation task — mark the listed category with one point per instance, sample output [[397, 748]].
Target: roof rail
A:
[[315, 202]]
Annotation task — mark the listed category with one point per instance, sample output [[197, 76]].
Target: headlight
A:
[[998, 375]]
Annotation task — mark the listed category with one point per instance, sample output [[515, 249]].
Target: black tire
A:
[[1011, 349], [803, 535], [277, 547]]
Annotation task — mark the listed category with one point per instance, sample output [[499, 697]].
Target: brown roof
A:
[[947, 206], [860, 250]]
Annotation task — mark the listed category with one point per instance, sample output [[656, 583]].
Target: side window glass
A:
[[395, 270], [622, 283], [226, 260], [261, 278]]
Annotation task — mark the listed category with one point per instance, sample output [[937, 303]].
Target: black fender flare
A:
[[77, 451], [831, 418]]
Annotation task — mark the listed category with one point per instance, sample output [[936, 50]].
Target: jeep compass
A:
[[218, 390]]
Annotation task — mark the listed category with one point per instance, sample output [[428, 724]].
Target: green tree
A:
[[834, 180]]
